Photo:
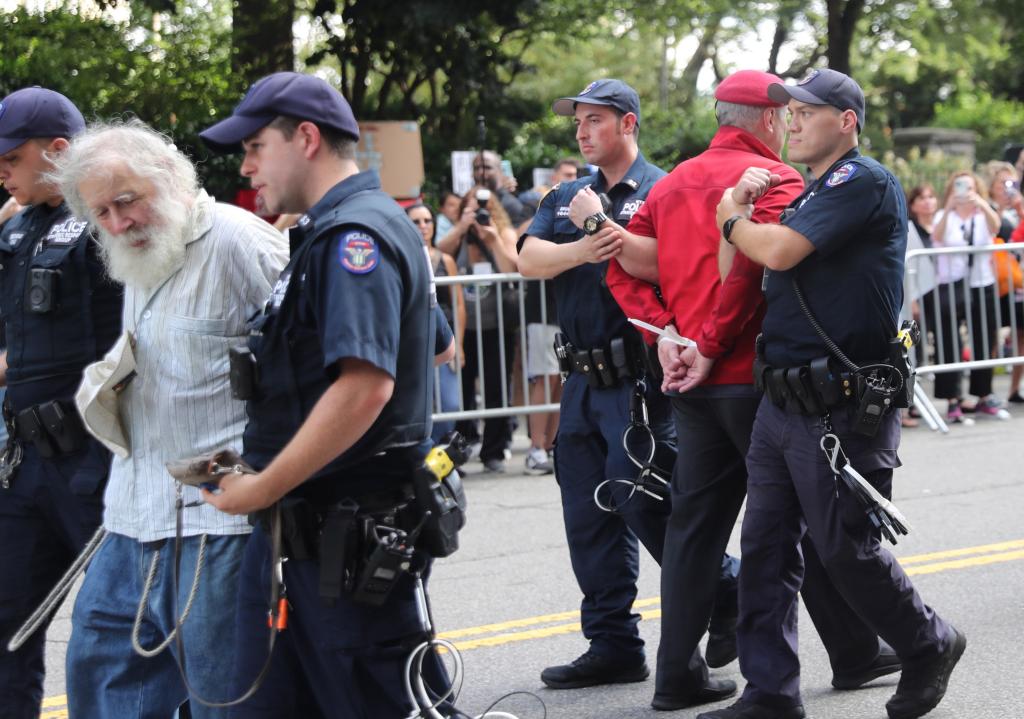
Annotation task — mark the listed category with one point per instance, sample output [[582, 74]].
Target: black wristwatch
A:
[[727, 227], [593, 223]]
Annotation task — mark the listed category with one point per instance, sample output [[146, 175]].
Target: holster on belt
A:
[[54, 428], [338, 542]]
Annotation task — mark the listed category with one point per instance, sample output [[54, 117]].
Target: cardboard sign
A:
[[393, 149]]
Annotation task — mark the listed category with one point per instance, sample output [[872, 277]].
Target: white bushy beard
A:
[[146, 267]]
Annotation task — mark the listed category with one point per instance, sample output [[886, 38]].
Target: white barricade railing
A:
[[509, 331], [955, 316]]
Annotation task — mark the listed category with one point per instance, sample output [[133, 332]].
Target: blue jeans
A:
[[105, 677], [448, 384]]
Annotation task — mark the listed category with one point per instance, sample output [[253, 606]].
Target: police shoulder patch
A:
[[358, 252], [841, 175]]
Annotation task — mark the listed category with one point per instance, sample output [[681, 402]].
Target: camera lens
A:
[[483, 217]]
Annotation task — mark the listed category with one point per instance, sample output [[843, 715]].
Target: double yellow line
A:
[[551, 625]]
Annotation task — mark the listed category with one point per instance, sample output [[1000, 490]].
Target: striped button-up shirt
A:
[[179, 404]]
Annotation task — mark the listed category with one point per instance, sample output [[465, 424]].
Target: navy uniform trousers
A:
[[791, 491], [49, 512], [338, 661], [603, 545], [708, 487]]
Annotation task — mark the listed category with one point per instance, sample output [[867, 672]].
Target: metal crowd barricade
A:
[[949, 316], [501, 283]]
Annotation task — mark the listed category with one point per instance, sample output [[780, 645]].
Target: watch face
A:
[[590, 224]]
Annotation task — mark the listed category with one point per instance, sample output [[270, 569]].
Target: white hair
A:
[[103, 147], [745, 117]]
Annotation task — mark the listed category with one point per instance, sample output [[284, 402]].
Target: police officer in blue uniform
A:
[[61, 314], [842, 245], [339, 409], [607, 357]]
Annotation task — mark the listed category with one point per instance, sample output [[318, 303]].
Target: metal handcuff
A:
[[882, 513], [652, 480]]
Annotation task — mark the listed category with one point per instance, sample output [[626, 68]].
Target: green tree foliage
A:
[[172, 71]]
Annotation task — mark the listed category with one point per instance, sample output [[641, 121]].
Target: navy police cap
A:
[[36, 112], [614, 93], [824, 87], [294, 94]]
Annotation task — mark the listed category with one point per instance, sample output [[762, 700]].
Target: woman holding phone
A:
[[967, 292]]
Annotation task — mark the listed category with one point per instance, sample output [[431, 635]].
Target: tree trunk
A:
[[261, 37], [842, 22]]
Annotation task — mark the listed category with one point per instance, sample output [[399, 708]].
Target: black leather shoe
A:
[[721, 648], [591, 669], [923, 684], [885, 663], [746, 710], [714, 690]]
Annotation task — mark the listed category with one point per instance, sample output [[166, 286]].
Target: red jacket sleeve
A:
[[637, 298], [739, 298]]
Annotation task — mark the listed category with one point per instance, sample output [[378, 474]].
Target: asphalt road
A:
[[508, 598]]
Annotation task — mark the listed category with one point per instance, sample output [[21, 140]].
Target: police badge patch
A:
[[358, 252], [844, 173]]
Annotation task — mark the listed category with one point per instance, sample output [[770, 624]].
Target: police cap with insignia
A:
[[749, 87], [36, 112], [824, 87], [613, 93], [294, 94]]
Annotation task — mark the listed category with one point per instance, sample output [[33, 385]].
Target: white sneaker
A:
[[538, 462]]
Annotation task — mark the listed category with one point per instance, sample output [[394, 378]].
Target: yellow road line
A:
[[500, 632], [964, 552], [921, 564], [55, 714], [964, 563]]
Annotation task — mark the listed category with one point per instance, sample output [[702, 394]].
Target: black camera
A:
[[242, 373], [483, 216], [42, 290]]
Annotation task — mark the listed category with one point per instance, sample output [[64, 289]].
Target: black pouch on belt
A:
[[799, 381], [827, 382], [31, 429], [337, 550], [603, 368], [299, 527], [64, 427], [621, 359], [584, 364]]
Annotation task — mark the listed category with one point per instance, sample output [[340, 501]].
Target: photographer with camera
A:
[[833, 289], [61, 312], [483, 242]]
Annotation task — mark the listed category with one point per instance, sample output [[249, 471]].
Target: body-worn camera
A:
[[42, 289], [242, 373], [483, 216]]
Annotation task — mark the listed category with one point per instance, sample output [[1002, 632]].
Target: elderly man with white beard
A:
[[194, 271]]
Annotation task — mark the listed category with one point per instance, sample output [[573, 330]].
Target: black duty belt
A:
[[809, 389], [622, 360], [54, 428]]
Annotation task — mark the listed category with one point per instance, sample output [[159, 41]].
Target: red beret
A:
[[748, 87]]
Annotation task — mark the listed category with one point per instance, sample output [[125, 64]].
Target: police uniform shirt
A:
[[855, 215], [77, 313], [349, 304], [587, 313]]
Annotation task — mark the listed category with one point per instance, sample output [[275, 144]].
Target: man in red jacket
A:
[[711, 384]]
